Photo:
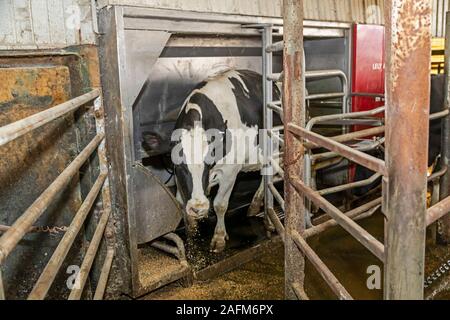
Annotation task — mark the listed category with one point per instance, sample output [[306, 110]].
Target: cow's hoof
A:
[[218, 243]]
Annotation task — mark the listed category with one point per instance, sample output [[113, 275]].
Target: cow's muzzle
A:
[[197, 211]]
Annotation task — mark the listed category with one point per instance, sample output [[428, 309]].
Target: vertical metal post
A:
[[445, 158], [408, 50], [2, 289], [268, 117], [294, 112]]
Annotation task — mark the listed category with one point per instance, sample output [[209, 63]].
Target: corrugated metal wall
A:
[[30, 24], [362, 11]]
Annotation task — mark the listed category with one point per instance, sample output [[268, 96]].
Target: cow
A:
[[437, 100], [229, 104]]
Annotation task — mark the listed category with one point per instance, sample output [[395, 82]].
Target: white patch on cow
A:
[[193, 106], [195, 149]]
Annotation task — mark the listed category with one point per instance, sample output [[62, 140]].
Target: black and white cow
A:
[[230, 106]]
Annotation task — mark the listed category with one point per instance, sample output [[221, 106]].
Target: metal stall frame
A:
[[119, 95], [15, 233], [404, 171]]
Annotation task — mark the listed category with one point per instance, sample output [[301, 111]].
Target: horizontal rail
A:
[[276, 77], [438, 174], [329, 95], [437, 211], [104, 275], [275, 47], [351, 136], [50, 271], [276, 222], [323, 270], [277, 195], [17, 129], [276, 167], [365, 238], [352, 214], [10, 238], [356, 184], [439, 115], [359, 157], [85, 268], [329, 155], [325, 74]]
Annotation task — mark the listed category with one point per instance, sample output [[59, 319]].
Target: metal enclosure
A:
[[149, 63]]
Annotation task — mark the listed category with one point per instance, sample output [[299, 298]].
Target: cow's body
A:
[[231, 104]]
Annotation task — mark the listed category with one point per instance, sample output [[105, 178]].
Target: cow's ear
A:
[[152, 140]]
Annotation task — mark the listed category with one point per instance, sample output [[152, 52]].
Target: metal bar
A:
[[83, 274], [276, 167], [408, 98], [352, 185], [276, 77], [323, 270], [352, 214], [445, 136], [351, 136], [365, 238], [50, 271], [329, 95], [359, 157], [104, 275], [276, 222], [437, 211], [439, 115], [294, 111], [275, 47], [271, 134], [2, 288], [277, 195], [19, 128], [10, 238], [438, 174], [300, 292], [275, 108], [329, 155]]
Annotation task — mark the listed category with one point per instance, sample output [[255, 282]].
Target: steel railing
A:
[[14, 234]]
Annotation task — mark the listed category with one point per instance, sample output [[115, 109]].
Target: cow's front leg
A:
[[220, 207]]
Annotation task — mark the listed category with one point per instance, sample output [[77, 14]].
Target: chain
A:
[[52, 230], [438, 273]]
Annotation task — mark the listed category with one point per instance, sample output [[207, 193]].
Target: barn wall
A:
[[43, 24], [362, 11]]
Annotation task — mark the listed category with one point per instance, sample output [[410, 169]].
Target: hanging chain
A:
[[437, 274]]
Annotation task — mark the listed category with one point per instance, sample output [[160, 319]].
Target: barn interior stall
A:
[[98, 117]]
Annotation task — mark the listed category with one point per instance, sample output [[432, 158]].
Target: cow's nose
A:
[[195, 210]]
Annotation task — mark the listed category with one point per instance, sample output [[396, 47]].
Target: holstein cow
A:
[[216, 136], [437, 99]]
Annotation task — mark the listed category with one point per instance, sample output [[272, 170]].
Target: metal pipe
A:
[[276, 167], [439, 115], [408, 48], [271, 134], [275, 47], [359, 157], [351, 136], [445, 136], [300, 292], [104, 275], [276, 222], [329, 155], [275, 108], [277, 195], [19, 128], [83, 274], [329, 95], [20, 227], [50, 271], [437, 211], [437, 175], [366, 239], [178, 242], [352, 185], [352, 214], [323, 270], [294, 111]]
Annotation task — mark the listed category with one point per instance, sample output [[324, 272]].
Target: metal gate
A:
[[24, 224], [403, 189]]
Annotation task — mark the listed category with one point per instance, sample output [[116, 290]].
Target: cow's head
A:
[[189, 156]]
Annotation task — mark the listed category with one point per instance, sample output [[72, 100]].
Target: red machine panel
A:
[[367, 71], [367, 67]]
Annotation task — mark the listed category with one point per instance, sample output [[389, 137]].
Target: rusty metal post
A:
[[294, 112], [445, 152], [408, 50]]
